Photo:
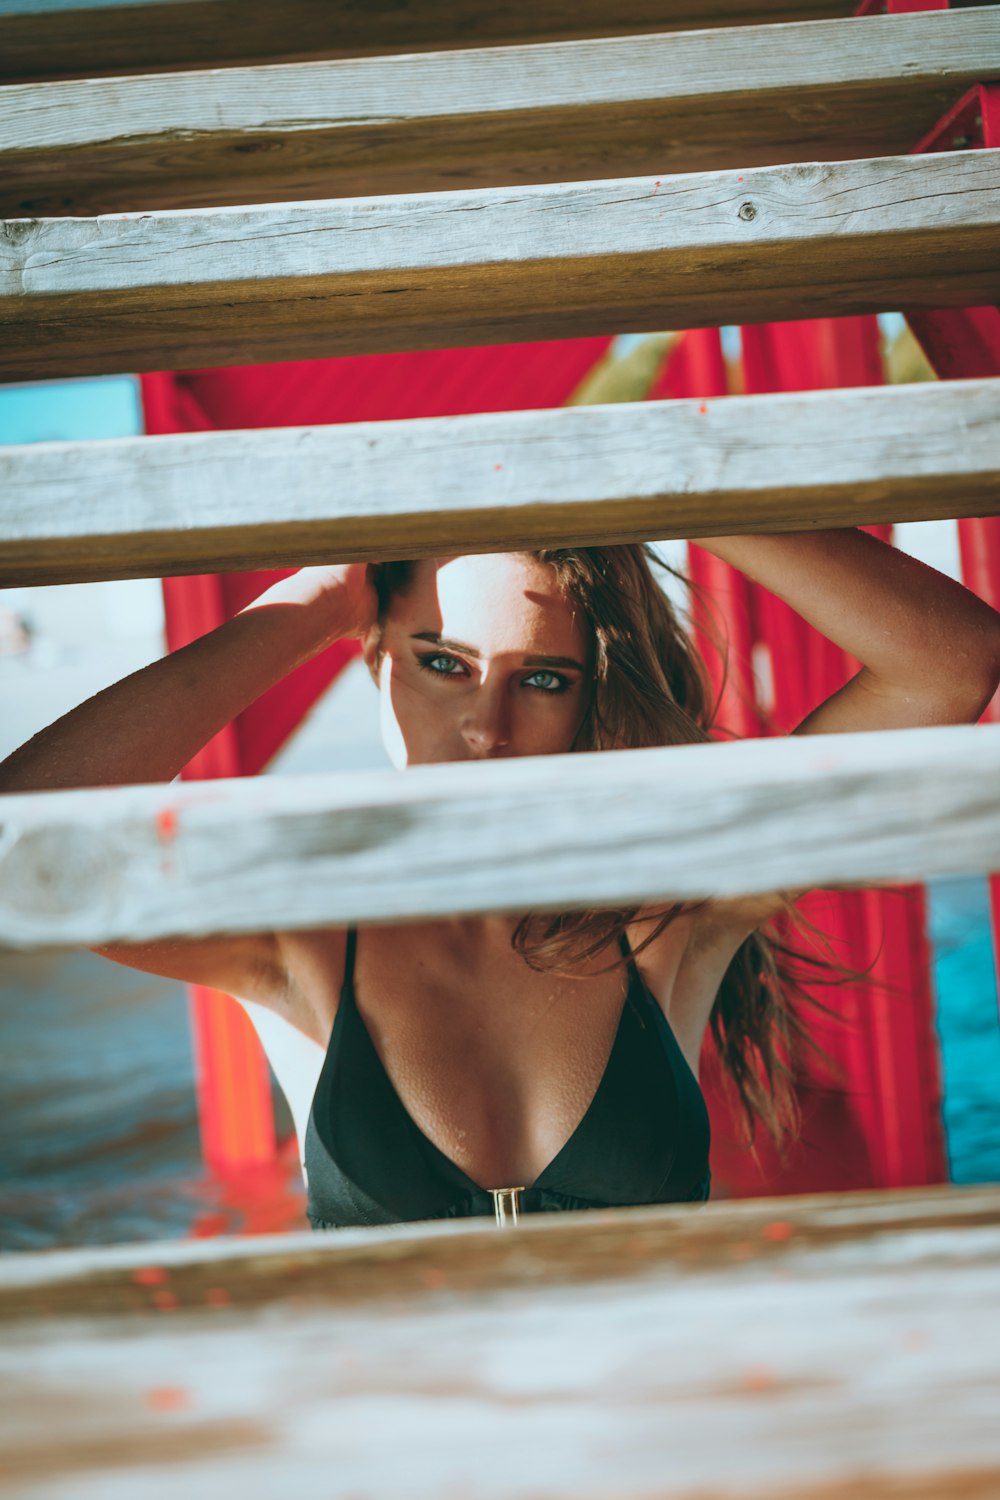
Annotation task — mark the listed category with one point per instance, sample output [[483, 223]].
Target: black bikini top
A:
[[643, 1139]]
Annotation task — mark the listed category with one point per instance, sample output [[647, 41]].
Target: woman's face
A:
[[481, 657]]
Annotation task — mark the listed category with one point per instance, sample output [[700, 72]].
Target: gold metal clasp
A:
[[505, 1205]]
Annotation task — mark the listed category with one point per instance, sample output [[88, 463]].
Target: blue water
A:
[[64, 411], [100, 1138], [99, 1124], [968, 1027]]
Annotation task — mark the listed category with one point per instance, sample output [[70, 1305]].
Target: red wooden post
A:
[[235, 1111], [958, 342], [840, 1145], [979, 547], [887, 1049], [964, 343], [897, 7]]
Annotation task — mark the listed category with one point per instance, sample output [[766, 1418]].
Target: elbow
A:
[[981, 702], [975, 686], [991, 668]]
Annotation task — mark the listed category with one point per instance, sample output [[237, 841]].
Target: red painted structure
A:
[[884, 1127], [964, 343], [234, 1091], [873, 1120], [886, 1122]]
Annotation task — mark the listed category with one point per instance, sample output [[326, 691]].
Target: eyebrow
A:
[[463, 650]]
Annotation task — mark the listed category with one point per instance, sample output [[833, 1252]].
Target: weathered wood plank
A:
[[553, 832], [690, 101], [206, 502], [60, 40], [851, 1345], [376, 1265], [224, 286]]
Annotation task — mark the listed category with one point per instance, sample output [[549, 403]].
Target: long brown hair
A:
[[651, 687]]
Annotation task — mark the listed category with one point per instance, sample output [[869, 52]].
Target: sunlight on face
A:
[[482, 657]]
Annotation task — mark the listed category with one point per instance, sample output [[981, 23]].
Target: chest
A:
[[495, 1063], [496, 1068]]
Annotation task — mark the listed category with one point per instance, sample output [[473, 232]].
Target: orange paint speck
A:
[[165, 1301], [780, 1229], [167, 1398], [434, 1278], [498, 467], [166, 825], [217, 1296], [150, 1276], [758, 1378], [702, 408]]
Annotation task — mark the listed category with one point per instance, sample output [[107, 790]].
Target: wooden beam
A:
[[208, 502], [227, 286], [691, 101], [365, 1267], [851, 1343], [64, 39], [555, 832]]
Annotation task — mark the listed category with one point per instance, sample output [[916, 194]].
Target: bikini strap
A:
[[638, 995], [347, 988], [625, 948]]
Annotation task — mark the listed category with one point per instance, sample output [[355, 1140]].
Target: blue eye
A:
[[431, 661], [554, 682], [440, 664]]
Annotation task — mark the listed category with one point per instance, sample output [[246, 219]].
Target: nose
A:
[[486, 725]]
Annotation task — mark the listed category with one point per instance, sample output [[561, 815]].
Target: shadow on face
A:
[[480, 657]]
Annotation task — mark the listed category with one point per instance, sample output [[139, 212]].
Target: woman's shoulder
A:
[[684, 966]]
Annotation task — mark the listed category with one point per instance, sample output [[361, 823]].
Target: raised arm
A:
[[930, 654], [148, 726], [929, 648]]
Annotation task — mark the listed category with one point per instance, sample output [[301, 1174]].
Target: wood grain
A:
[[690, 101], [556, 832], [61, 40], [851, 1345], [225, 286], [374, 1266], [205, 502]]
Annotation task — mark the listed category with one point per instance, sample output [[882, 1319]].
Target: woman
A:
[[468, 1066]]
